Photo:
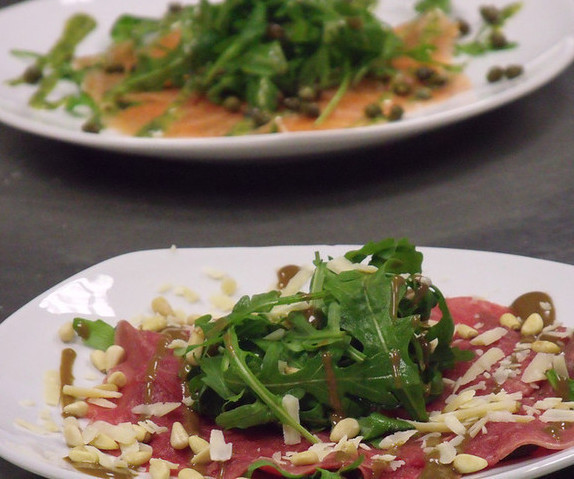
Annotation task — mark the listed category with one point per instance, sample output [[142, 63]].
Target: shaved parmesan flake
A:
[[297, 281], [213, 273], [455, 426], [157, 409], [30, 426], [396, 439], [547, 403], [447, 452], [52, 387], [536, 370], [557, 415], [102, 402], [290, 435], [341, 264], [489, 337], [219, 450], [482, 364]]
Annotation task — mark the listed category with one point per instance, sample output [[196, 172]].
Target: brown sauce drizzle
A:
[[334, 398], [67, 359], [285, 274], [95, 470], [168, 335], [532, 302], [556, 429], [397, 283], [435, 470]]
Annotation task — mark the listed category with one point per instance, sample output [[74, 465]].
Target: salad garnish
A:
[[359, 340], [262, 60]]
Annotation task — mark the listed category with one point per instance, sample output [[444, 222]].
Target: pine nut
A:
[[104, 443], [545, 347], [202, 457], [81, 454], [66, 332], [118, 378], [98, 358], [467, 463], [138, 458], [154, 323], [72, 433], [115, 354], [188, 473], [508, 320], [106, 387], [348, 427], [228, 286], [179, 438], [159, 469], [533, 325], [160, 305], [198, 444], [465, 331], [76, 409], [304, 458], [141, 434]]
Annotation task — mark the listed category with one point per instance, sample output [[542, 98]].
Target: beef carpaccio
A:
[[509, 400]]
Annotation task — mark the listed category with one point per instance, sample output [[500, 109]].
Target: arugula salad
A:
[[269, 66]]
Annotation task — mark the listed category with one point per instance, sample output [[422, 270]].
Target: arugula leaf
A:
[[96, 334], [393, 256], [376, 425], [426, 5], [366, 347]]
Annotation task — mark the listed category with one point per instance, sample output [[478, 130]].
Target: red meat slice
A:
[[145, 348]]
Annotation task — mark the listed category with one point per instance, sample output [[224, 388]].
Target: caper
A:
[[174, 7], [373, 110], [424, 73], [402, 88], [438, 80], [92, 126], [114, 68], [395, 113], [259, 116], [310, 109], [275, 31], [498, 40], [495, 74], [463, 27], [307, 93], [423, 93], [513, 71], [490, 14], [356, 23], [232, 103], [292, 103], [32, 74]]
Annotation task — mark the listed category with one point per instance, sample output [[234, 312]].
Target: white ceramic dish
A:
[[123, 287], [545, 31]]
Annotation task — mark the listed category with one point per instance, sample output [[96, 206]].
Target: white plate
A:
[[122, 288], [545, 31]]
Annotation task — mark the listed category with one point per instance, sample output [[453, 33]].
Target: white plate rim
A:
[[554, 59], [131, 267]]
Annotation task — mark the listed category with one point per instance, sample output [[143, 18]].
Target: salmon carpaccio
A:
[[495, 435], [198, 117]]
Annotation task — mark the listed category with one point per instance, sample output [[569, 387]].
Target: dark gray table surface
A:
[[503, 181]]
